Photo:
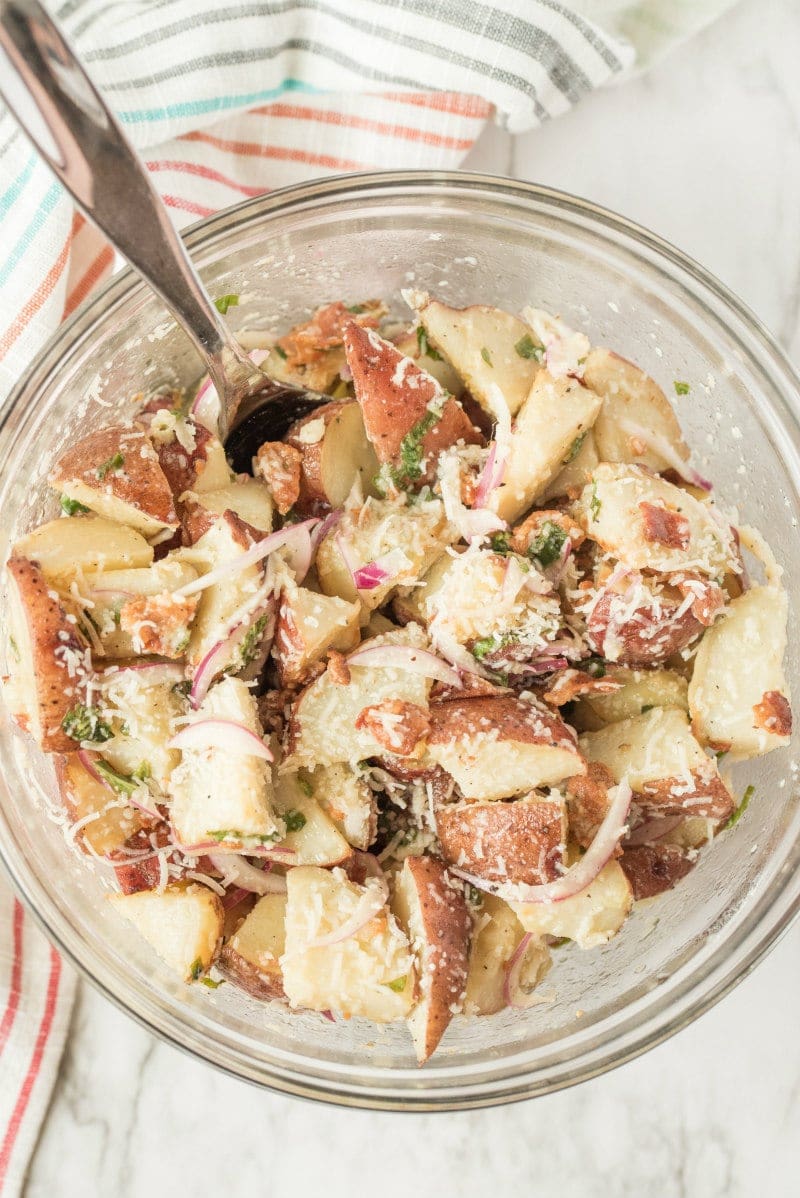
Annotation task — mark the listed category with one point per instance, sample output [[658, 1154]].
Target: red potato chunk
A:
[[654, 869], [636, 624], [708, 597], [520, 841], [663, 527], [397, 398]]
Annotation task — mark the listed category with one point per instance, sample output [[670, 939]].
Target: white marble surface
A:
[[705, 150]]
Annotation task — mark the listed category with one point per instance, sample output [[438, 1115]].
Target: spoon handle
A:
[[48, 91]]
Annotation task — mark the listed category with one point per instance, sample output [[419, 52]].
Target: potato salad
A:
[[440, 690]]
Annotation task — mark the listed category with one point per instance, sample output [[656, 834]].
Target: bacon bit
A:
[[338, 668], [159, 622], [567, 685], [527, 532], [307, 343], [280, 465], [652, 869], [709, 597], [774, 714], [469, 489], [395, 724], [587, 802], [664, 527]]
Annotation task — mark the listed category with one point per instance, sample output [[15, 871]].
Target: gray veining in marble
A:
[[705, 150]]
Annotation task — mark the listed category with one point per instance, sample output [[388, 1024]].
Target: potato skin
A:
[[653, 869], [140, 482], [512, 719], [520, 841], [248, 977], [633, 643], [50, 633], [395, 394], [446, 928]]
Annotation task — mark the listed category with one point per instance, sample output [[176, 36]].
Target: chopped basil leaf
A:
[[220, 834], [71, 507], [226, 301], [487, 357], [500, 542], [182, 688], [294, 820], [196, 968], [562, 940], [720, 753], [490, 644], [473, 895], [115, 779], [526, 347], [575, 447], [306, 787], [398, 985], [546, 547], [114, 463], [595, 667], [736, 815], [84, 723], [142, 771], [647, 707], [280, 351], [681, 388], [595, 504], [356, 309], [250, 643], [410, 467], [426, 350], [212, 985]]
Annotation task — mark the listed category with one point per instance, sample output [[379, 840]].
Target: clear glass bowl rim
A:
[[694, 988]]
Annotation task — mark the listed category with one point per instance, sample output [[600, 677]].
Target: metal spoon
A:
[[58, 107]]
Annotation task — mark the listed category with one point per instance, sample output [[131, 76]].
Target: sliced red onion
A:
[[371, 903], [221, 734], [328, 1015], [561, 564], [472, 523], [87, 761], [513, 993], [372, 869], [653, 830], [383, 569], [580, 875], [214, 662], [113, 593], [294, 536], [514, 579], [234, 897], [246, 876], [456, 654], [150, 809], [321, 531], [405, 657], [492, 475], [545, 665], [661, 445]]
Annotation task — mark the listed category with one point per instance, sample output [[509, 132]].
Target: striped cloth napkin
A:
[[226, 99]]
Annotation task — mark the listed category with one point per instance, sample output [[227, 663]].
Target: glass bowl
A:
[[466, 238]]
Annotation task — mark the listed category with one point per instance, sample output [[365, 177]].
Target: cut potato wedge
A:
[[113, 591], [242, 599], [307, 626], [636, 416], [115, 472], [431, 908], [48, 658], [573, 477], [312, 837], [143, 708], [194, 462], [109, 822], [547, 430], [438, 368], [739, 696], [409, 539], [495, 939], [251, 958], [64, 548], [369, 973], [407, 416], [183, 925], [482, 344], [345, 797], [323, 728], [336, 455], [221, 798], [665, 766], [590, 918], [498, 747], [247, 497], [640, 622], [617, 508], [640, 689], [520, 841]]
